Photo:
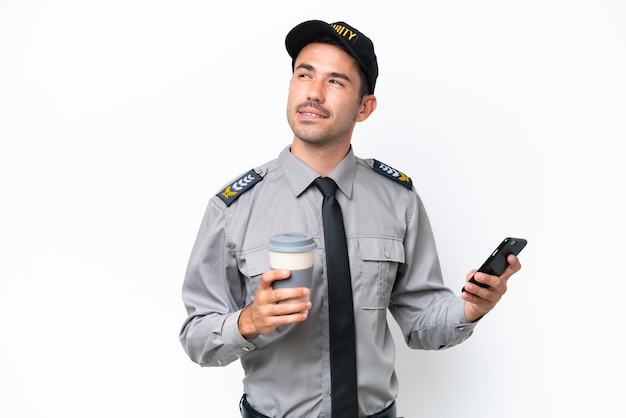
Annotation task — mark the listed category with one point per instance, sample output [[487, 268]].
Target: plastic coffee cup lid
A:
[[291, 242]]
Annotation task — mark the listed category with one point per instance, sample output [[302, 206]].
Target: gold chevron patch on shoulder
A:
[[240, 186], [393, 174]]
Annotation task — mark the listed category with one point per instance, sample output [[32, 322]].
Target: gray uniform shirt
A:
[[393, 262]]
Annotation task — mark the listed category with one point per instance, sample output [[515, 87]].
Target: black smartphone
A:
[[496, 263]]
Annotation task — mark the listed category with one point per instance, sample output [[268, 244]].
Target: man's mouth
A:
[[311, 114], [312, 110]]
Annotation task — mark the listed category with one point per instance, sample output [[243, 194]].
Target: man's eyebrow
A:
[[340, 75], [305, 67]]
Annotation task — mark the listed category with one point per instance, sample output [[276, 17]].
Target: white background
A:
[[119, 120]]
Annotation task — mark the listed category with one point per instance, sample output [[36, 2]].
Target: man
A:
[[235, 313]]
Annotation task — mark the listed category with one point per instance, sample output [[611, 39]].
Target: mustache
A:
[[315, 105]]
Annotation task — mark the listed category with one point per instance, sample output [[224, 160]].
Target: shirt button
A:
[[386, 253], [461, 328], [246, 349]]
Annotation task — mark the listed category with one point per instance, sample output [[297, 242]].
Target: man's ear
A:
[[368, 105]]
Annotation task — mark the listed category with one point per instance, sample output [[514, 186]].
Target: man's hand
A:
[[266, 313], [480, 300]]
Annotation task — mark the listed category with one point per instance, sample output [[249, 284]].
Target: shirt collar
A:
[[300, 176]]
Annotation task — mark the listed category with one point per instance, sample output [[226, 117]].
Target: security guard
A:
[[233, 311]]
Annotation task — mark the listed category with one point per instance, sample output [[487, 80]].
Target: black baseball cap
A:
[[355, 42]]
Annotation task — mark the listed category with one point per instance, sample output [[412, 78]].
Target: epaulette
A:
[[239, 187], [393, 174]]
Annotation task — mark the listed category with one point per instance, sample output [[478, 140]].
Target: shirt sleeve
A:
[[214, 294], [430, 316]]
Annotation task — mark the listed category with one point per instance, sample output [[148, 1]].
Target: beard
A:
[[324, 131]]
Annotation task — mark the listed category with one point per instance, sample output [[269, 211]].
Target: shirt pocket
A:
[[379, 259], [252, 264]]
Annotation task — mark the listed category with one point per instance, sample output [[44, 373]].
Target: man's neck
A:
[[322, 158]]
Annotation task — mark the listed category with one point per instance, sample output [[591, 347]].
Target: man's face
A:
[[324, 100]]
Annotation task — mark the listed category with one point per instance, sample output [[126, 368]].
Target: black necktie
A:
[[340, 307]]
